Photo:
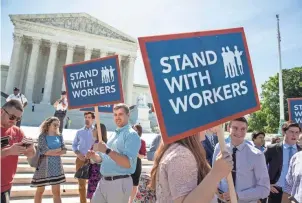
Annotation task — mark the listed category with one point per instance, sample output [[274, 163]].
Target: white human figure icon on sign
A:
[[226, 63], [107, 77], [103, 75], [238, 55], [231, 59], [111, 70]]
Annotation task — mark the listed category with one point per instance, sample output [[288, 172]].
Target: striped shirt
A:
[[293, 182]]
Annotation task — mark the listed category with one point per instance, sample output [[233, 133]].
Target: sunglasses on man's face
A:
[[12, 117]]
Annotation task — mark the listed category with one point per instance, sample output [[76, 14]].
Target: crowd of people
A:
[[192, 169]]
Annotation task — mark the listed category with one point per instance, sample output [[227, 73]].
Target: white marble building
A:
[[44, 43]]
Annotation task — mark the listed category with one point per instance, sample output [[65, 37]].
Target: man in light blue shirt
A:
[[83, 142], [118, 160], [250, 174]]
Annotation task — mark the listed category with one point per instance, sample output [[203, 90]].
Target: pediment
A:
[[80, 22]]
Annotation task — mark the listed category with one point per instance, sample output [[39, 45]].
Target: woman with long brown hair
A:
[[181, 172], [50, 168]]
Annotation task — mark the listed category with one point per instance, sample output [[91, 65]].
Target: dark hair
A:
[[139, 129], [241, 119], [122, 106], [13, 103], [291, 124], [63, 93], [103, 131], [91, 113], [274, 139], [256, 134]]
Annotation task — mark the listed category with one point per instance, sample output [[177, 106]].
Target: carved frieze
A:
[[82, 24]]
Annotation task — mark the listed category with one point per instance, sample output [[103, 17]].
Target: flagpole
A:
[[281, 94]]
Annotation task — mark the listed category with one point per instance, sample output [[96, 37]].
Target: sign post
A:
[[199, 80], [98, 123]]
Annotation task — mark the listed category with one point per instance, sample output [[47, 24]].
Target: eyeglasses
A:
[[12, 116]]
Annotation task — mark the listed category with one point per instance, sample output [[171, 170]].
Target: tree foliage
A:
[[267, 119]]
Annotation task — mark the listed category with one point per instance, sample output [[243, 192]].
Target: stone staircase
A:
[[21, 189]]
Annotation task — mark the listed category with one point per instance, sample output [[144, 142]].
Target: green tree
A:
[[267, 118]]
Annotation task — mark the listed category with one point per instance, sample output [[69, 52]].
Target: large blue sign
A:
[[199, 80], [102, 109], [295, 110], [93, 83]]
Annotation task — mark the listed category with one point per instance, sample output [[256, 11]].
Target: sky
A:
[[144, 18]]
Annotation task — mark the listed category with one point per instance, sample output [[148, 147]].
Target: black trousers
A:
[[5, 196], [61, 116], [275, 197]]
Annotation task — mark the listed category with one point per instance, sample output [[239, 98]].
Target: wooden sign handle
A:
[[98, 123], [220, 135]]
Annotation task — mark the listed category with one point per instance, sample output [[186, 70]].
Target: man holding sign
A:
[[118, 160], [250, 173]]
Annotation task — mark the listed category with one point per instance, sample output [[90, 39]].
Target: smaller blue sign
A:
[[93, 83], [295, 110], [102, 109]]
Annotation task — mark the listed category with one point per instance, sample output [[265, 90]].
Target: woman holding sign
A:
[[181, 172]]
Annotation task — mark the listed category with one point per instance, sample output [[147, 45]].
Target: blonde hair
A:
[[45, 125]]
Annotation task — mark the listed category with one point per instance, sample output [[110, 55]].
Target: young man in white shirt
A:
[[61, 106], [20, 97]]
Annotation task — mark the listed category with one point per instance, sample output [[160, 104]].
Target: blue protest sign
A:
[[102, 109], [199, 80], [295, 110], [93, 83]]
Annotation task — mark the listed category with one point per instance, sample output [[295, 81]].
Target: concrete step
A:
[[25, 168], [47, 199], [65, 160], [70, 158], [26, 191], [25, 178]]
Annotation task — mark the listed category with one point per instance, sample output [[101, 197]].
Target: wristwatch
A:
[[108, 150]]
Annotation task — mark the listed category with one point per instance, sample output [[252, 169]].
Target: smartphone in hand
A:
[[4, 141]]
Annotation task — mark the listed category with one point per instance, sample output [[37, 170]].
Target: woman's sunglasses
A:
[[12, 117]]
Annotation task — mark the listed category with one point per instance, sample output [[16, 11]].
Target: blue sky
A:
[[143, 18]]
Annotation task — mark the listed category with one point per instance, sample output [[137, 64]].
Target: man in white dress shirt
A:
[[61, 106], [20, 97]]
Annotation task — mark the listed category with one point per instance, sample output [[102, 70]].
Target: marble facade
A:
[[44, 43]]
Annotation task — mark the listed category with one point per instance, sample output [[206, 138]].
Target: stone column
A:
[[69, 60], [129, 80], [32, 68], [50, 72], [14, 61], [88, 53], [103, 54]]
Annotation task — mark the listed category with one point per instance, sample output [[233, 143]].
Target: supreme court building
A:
[[44, 43]]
